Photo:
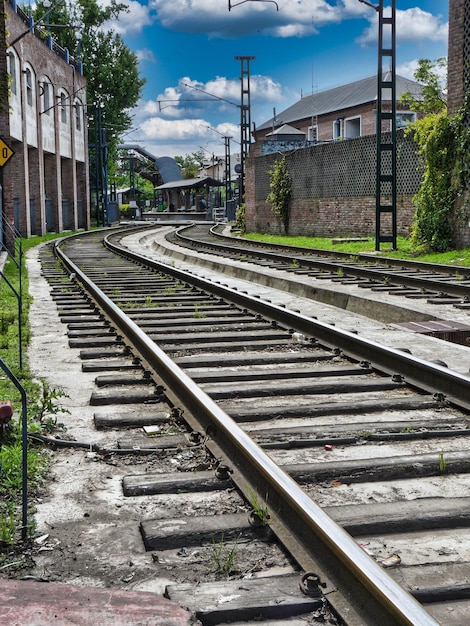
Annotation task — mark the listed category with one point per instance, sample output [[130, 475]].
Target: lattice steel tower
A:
[[386, 171], [245, 118]]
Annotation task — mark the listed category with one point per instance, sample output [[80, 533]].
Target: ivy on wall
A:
[[281, 191], [444, 143]]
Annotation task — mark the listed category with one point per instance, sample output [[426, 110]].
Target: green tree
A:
[[437, 138], [191, 163], [281, 191], [432, 99], [110, 67]]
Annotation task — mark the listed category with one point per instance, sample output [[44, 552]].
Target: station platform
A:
[[34, 603]]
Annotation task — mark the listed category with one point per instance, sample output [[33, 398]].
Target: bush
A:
[[281, 191], [240, 218]]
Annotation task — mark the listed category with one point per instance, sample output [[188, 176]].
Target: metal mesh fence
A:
[[340, 169]]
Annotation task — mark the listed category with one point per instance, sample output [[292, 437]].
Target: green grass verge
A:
[[42, 406], [405, 249]]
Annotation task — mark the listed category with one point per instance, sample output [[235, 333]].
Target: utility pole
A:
[[386, 162], [100, 146], [386, 176], [227, 172], [245, 118]]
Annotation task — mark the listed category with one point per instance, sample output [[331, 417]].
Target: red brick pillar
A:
[[459, 53]]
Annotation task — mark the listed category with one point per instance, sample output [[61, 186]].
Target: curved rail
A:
[[363, 257], [374, 595], [425, 375], [457, 289]]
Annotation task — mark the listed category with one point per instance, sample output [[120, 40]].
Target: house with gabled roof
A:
[[343, 112]]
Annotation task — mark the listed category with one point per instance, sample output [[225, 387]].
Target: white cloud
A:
[[294, 18], [228, 130], [412, 25], [132, 21], [416, 25], [163, 137], [146, 55], [175, 130], [409, 68], [176, 121], [224, 94], [262, 89], [354, 8]]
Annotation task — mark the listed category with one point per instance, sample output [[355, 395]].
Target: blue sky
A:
[[187, 47]]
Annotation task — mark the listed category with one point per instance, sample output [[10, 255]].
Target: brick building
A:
[[43, 120], [458, 82], [333, 182], [333, 189], [458, 79], [344, 112]]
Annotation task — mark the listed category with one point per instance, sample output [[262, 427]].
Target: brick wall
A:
[[333, 188], [458, 85], [458, 53]]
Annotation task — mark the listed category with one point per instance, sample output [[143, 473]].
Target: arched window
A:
[[46, 98], [12, 71], [63, 108], [29, 86], [78, 116]]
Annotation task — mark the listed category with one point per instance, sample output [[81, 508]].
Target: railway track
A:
[[240, 393], [430, 282]]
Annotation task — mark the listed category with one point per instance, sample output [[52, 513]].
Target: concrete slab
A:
[[32, 603]]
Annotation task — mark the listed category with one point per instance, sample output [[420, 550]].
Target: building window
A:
[[29, 86], [312, 133], [78, 117], [404, 118], [337, 129], [12, 71], [352, 127], [63, 108], [46, 98]]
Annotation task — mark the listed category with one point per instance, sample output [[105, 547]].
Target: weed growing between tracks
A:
[[224, 556]]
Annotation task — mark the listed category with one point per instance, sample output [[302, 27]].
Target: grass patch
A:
[[224, 556], [405, 248], [42, 406]]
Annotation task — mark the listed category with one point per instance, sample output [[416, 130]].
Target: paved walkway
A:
[[31, 603]]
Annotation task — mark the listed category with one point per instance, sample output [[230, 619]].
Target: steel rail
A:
[[424, 266], [359, 581], [378, 275], [424, 375]]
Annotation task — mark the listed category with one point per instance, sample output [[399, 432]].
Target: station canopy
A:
[[191, 183]]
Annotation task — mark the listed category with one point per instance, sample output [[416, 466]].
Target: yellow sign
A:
[[5, 153]]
